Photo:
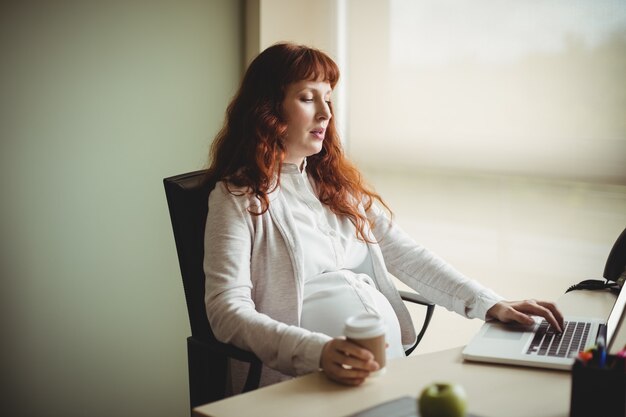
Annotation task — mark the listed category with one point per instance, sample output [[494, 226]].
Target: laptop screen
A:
[[614, 318]]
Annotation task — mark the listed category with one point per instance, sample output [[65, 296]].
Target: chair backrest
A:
[[187, 197]]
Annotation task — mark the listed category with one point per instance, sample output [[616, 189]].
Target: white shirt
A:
[[337, 265]]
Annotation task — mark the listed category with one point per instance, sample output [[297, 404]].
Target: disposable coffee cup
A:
[[368, 331]]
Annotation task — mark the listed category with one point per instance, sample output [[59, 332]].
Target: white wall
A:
[[300, 21], [99, 102]]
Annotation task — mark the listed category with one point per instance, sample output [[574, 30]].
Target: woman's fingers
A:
[[555, 311], [543, 309], [511, 314], [346, 362], [521, 312]]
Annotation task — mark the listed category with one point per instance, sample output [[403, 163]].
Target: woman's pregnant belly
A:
[[330, 298]]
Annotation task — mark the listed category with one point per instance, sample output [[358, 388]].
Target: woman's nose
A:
[[323, 111]]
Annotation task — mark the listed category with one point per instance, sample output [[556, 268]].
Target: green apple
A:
[[442, 400]]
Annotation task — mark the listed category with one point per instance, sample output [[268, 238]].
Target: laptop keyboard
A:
[[548, 342]]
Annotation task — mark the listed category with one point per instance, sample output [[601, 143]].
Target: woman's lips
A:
[[318, 133]]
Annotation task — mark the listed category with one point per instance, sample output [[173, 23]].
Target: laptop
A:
[[538, 345]]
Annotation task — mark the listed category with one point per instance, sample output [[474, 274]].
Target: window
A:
[[524, 87]]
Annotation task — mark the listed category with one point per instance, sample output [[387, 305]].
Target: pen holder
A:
[[599, 391]]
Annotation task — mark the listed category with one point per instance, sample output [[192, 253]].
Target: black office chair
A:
[[187, 197]]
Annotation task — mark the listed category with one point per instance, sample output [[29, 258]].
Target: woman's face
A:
[[307, 113]]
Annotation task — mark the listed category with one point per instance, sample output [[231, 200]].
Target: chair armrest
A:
[[416, 298], [231, 351], [430, 309], [254, 372]]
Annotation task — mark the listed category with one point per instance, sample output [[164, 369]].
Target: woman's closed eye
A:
[[312, 100]]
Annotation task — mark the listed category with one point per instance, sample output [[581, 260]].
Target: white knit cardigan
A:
[[254, 282]]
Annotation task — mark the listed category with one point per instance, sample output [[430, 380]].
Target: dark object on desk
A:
[[599, 390], [614, 270], [187, 198], [595, 284], [400, 407]]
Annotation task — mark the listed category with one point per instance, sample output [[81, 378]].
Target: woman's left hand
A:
[[521, 312]]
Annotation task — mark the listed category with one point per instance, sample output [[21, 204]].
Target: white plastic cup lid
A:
[[364, 325]]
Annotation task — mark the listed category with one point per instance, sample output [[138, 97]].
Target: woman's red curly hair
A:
[[248, 151]]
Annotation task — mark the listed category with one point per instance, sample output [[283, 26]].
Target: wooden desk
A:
[[493, 390]]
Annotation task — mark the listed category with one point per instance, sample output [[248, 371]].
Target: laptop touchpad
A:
[[504, 332]]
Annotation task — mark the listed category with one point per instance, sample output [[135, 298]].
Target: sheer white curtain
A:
[[522, 87]]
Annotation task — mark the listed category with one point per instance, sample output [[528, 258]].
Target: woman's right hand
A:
[[346, 362]]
